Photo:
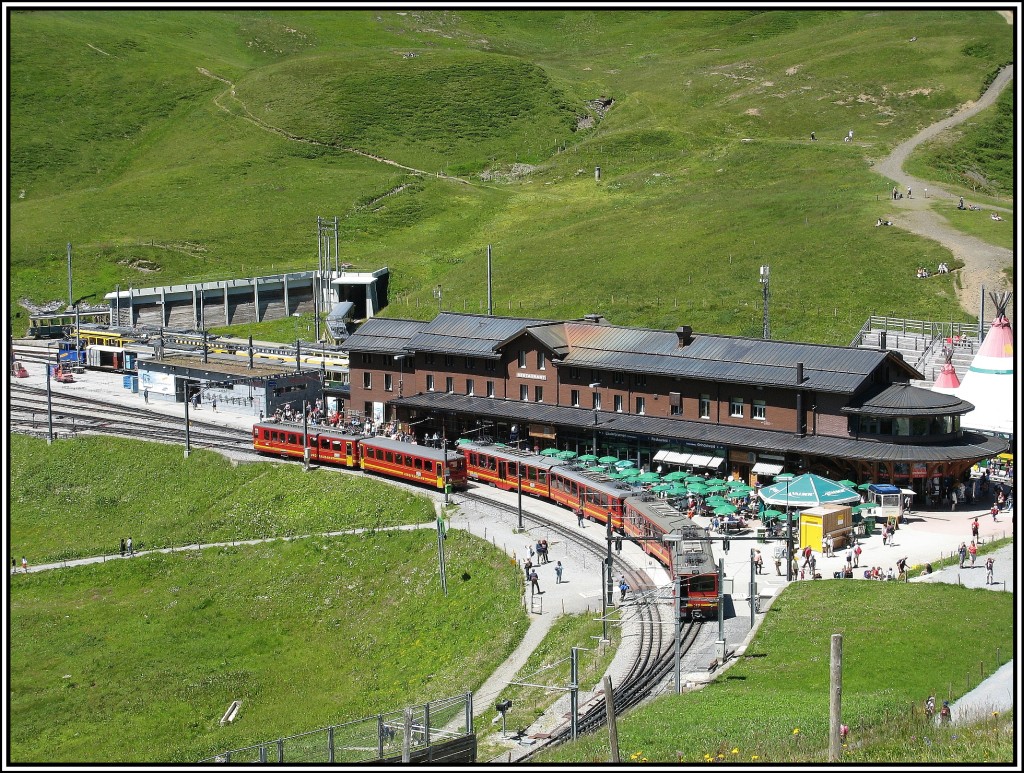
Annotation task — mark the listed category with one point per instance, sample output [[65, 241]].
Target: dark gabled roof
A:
[[907, 400], [970, 446], [728, 359], [551, 336], [473, 335], [389, 336]]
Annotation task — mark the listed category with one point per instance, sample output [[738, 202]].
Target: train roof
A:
[[511, 453], [594, 481], [317, 429], [669, 518], [425, 452]]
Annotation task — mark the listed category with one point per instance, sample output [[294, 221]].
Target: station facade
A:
[[724, 404]]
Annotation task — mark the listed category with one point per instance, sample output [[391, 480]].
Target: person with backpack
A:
[[623, 587], [807, 557], [946, 714], [856, 555], [962, 551]]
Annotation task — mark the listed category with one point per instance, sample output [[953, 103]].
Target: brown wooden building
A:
[[673, 398]]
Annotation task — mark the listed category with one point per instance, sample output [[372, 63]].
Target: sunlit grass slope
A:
[[176, 146]]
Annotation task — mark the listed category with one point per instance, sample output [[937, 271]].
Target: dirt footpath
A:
[[983, 262]]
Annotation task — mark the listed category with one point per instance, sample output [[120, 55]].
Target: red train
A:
[[633, 513], [406, 461]]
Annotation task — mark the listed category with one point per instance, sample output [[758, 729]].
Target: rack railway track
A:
[[650, 655]]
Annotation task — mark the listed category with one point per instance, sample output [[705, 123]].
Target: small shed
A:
[[816, 522]]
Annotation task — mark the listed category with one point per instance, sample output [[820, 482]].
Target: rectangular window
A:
[[675, 401], [522, 359], [430, 382], [574, 398], [428, 358], [449, 361], [524, 392], [574, 373], [617, 400], [617, 378], [367, 409], [704, 410], [449, 384], [641, 404], [367, 380], [389, 457], [736, 407], [541, 361], [597, 401], [758, 410], [469, 386], [490, 389], [640, 379], [538, 394], [365, 358], [418, 463], [471, 363], [490, 366], [595, 376], [388, 379]]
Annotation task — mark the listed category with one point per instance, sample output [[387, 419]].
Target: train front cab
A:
[[700, 596]]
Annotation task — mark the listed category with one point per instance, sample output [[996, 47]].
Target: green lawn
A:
[[164, 176], [79, 498], [136, 661], [900, 643]]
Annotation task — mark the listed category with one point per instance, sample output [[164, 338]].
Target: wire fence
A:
[[401, 733]]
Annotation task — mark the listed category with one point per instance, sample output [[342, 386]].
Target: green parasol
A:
[[608, 459], [725, 509], [549, 452], [848, 483], [566, 455]]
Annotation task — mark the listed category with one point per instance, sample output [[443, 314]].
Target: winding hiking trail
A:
[[983, 262], [248, 116]]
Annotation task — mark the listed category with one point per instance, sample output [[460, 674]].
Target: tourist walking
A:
[[962, 550], [989, 576], [974, 529], [24, 564], [973, 550], [856, 555], [534, 582], [122, 546], [558, 572], [623, 587]]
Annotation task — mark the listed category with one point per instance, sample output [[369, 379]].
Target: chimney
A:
[[801, 422], [881, 339], [685, 334]]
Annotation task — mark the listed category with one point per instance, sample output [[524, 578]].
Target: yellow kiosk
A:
[[816, 522]]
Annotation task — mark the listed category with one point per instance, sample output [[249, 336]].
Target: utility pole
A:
[[441, 536], [574, 693], [721, 610], [490, 305], [765, 329], [49, 408], [835, 698], [70, 294], [519, 487], [753, 588], [187, 439]]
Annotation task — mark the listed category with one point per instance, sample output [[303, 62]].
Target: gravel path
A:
[[983, 262]]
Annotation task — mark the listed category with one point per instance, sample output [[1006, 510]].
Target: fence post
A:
[[407, 736], [280, 750], [330, 744], [380, 736], [469, 713], [426, 723]]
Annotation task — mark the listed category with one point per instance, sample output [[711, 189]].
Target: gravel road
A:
[[983, 262]]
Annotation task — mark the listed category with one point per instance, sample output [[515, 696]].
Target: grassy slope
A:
[[101, 490], [156, 648], [710, 207], [891, 659]]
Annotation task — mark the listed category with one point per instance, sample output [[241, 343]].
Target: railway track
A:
[[650, 655]]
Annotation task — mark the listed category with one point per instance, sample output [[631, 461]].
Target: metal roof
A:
[[379, 334], [907, 400], [970, 446], [473, 335], [723, 358]]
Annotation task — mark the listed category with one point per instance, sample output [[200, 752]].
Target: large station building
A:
[[725, 404]]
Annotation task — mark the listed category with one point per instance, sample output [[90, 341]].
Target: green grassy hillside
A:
[[175, 146]]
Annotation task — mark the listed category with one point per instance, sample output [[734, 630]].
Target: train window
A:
[[428, 465], [419, 464], [380, 454], [325, 443], [336, 445], [704, 583], [408, 461], [348, 447], [293, 440], [266, 434], [575, 489], [389, 457], [492, 463]]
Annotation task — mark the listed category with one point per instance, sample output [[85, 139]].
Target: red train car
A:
[[418, 464], [326, 445], [599, 496], [692, 560], [499, 466]]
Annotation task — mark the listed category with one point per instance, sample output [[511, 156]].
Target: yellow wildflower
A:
[[754, 757], [735, 751], [796, 731]]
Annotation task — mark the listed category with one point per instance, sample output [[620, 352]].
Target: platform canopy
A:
[[808, 490]]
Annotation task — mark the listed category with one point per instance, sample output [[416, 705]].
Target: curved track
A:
[[651, 654]]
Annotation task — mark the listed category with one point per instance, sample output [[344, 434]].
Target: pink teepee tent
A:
[[947, 382]]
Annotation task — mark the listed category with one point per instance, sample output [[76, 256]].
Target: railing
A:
[[403, 733]]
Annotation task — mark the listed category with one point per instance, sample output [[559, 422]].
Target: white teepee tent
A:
[[988, 383]]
